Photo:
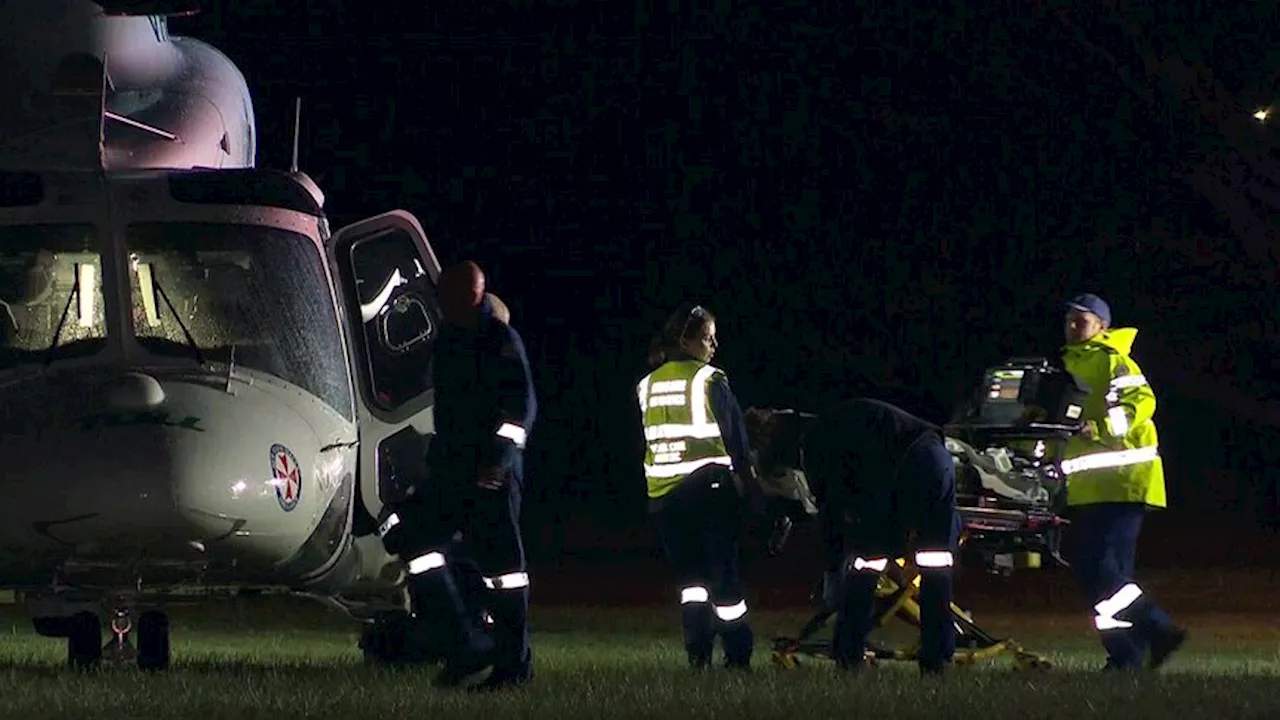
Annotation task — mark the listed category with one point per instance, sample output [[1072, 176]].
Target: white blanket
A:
[[997, 473], [791, 484]]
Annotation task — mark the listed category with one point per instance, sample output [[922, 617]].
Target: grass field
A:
[[293, 660]]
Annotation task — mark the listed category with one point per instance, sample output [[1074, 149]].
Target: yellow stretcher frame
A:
[[897, 596]]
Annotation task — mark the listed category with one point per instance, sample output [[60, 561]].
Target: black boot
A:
[[854, 621], [463, 663], [937, 626], [1165, 644], [739, 644], [699, 633], [394, 639], [932, 668], [512, 657], [436, 602]]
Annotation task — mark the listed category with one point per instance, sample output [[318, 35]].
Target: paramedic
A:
[[884, 482], [1114, 473], [699, 475], [485, 408]]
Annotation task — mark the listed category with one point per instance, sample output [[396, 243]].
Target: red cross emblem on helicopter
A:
[[286, 476]]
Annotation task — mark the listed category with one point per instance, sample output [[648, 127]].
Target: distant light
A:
[[1261, 115]]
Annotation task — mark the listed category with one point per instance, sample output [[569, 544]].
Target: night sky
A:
[[874, 201]]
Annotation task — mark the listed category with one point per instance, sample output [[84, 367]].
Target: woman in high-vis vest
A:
[[700, 480]]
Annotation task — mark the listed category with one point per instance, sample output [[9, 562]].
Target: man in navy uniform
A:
[[485, 407], [884, 483]]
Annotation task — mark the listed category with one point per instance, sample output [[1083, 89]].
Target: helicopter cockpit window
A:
[[51, 305], [399, 315], [254, 296]]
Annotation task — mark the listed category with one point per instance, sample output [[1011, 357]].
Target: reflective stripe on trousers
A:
[[435, 560], [934, 559], [874, 564], [508, 581], [514, 433], [427, 561], [1121, 600], [699, 594], [731, 613], [694, 594]]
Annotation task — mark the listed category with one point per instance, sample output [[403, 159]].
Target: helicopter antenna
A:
[[297, 124]]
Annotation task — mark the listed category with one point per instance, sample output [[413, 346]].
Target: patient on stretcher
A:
[[778, 437], [998, 472]]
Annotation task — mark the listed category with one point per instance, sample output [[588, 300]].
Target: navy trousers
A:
[[1103, 548], [489, 522], [699, 522], [921, 503]]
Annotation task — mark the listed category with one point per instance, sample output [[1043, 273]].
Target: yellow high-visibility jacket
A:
[[1121, 463]]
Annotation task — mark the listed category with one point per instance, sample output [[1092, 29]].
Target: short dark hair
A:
[[776, 436], [687, 322]]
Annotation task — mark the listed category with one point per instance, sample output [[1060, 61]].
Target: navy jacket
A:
[[485, 402], [733, 430], [870, 439]]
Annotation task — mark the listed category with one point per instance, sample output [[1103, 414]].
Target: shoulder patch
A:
[[1122, 369]]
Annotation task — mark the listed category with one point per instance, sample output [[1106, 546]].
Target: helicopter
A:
[[203, 388]]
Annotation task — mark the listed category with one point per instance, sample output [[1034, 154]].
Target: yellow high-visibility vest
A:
[[679, 427]]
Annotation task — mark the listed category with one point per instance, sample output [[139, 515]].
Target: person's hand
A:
[[1090, 430], [831, 586], [493, 478]]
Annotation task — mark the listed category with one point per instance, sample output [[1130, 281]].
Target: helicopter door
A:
[[386, 273]]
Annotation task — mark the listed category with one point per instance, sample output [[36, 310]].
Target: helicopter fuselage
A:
[[177, 402]]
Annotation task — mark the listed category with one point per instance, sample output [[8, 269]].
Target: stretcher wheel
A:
[[785, 660], [784, 653], [1029, 661]]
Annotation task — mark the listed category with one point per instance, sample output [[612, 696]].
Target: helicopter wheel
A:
[[84, 640], [153, 641]]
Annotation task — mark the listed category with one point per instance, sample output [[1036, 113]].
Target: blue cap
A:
[[1089, 302]]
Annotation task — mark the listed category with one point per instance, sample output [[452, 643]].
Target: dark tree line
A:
[[877, 200]]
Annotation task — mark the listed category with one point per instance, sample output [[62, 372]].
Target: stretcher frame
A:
[[897, 597]]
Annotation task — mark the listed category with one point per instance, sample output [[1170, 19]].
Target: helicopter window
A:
[[407, 325], [51, 305], [399, 316], [255, 296]]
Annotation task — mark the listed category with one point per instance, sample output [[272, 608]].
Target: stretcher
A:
[[897, 598], [1007, 447], [1003, 530]]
